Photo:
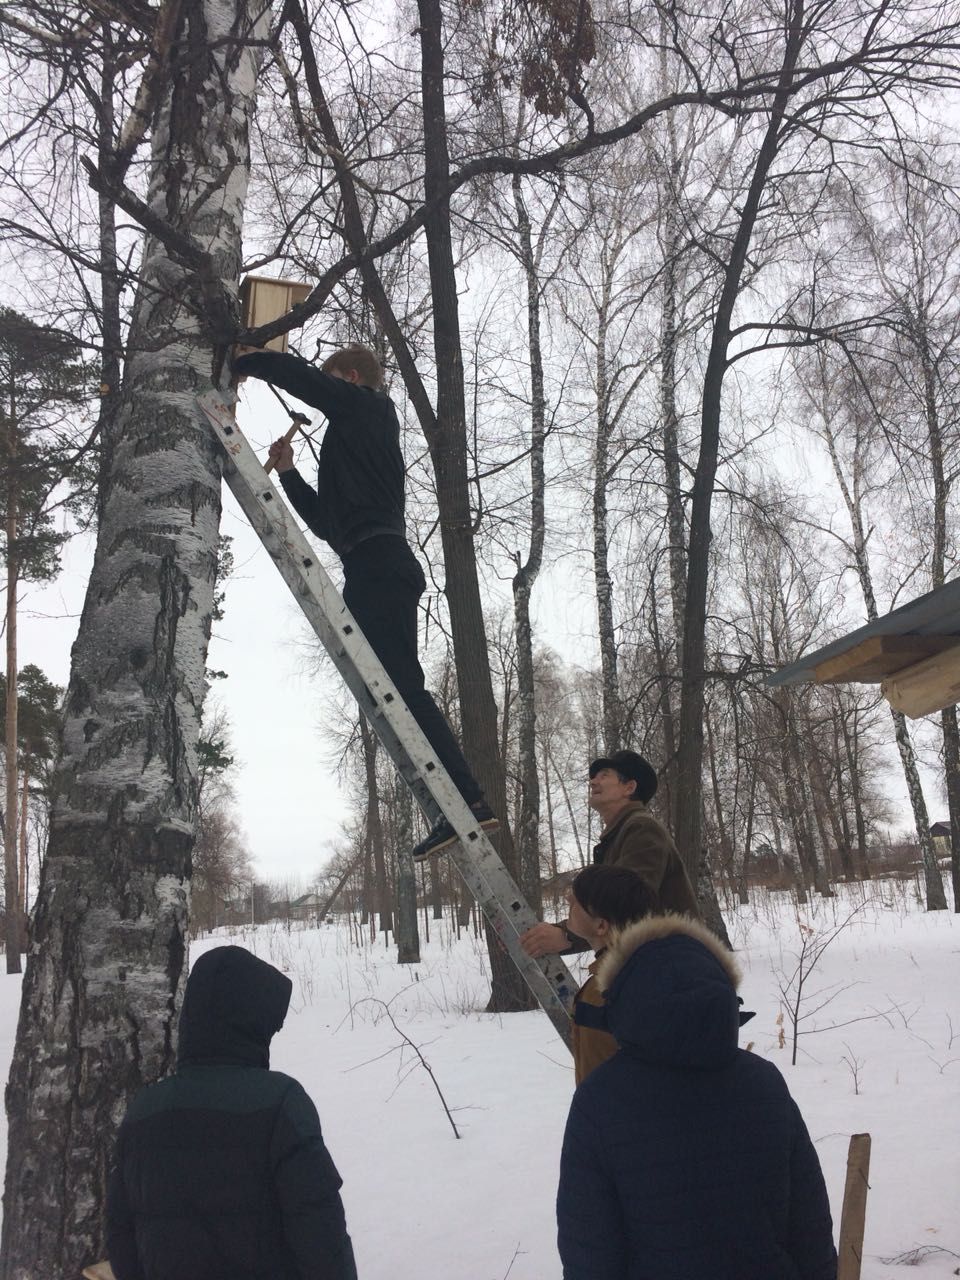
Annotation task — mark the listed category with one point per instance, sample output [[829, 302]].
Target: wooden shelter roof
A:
[[913, 652]]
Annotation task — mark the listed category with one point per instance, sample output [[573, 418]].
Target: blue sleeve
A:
[[810, 1242], [310, 385], [591, 1236], [308, 1191]]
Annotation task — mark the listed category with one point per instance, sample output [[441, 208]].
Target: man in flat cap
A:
[[621, 786]]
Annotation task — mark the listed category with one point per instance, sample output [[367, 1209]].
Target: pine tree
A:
[[41, 394]]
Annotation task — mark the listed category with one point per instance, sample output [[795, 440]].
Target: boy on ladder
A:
[[358, 508]]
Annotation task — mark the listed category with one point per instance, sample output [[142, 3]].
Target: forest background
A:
[[668, 301]]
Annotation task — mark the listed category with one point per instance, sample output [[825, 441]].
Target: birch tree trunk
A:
[[941, 493], [106, 968], [936, 898], [528, 823]]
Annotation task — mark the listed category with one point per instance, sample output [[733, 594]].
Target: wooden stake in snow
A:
[[854, 1207]]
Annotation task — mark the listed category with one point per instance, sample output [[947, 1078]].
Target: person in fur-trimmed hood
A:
[[684, 1157]]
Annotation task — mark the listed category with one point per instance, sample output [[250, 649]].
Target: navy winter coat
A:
[[221, 1172], [360, 471], [685, 1158]]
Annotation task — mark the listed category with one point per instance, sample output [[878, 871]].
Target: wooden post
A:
[[854, 1207]]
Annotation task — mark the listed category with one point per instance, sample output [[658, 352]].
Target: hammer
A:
[[298, 420]]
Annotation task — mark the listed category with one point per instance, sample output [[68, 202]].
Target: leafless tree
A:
[[115, 879]]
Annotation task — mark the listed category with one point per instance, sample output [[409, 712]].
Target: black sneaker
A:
[[442, 835]]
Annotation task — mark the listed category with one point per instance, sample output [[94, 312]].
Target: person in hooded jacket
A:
[[220, 1170], [684, 1156], [603, 901]]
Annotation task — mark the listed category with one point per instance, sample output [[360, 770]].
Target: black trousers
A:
[[382, 585]]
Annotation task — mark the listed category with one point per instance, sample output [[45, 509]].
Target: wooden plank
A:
[[854, 1212], [879, 656], [926, 686]]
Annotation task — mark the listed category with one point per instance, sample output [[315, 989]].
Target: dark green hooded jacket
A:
[[220, 1171]]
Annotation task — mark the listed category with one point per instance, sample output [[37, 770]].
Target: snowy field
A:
[[881, 1054]]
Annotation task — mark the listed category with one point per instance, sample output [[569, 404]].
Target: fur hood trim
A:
[[655, 929]]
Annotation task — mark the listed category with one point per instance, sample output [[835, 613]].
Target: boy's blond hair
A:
[[361, 359]]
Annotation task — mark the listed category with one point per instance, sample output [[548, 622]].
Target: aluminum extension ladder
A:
[[474, 856]]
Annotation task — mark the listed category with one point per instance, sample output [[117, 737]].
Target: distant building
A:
[[307, 907]]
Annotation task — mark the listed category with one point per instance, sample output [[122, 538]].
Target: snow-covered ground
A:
[[881, 1055]]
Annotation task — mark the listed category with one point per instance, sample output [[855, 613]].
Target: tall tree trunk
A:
[[551, 825], [664, 656], [606, 630], [726, 846], [936, 898], [743, 896], [105, 974], [368, 889], [110, 322], [436, 888], [375, 827], [816, 802], [11, 901], [856, 792], [951, 763], [672, 655], [448, 451], [938, 556], [690, 756], [933, 881], [840, 812], [528, 825], [406, 932], [778, 806], [22, 879]]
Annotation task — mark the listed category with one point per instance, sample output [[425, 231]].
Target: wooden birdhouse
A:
[[263, 300]]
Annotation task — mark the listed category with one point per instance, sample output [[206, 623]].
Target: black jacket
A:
[[684, 1157], [360, 474], [220, 1171]]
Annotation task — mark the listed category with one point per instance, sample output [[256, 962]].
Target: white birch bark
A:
[[936, 897], [609, 676], [107, 961], [528, 822], [10, 880]]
